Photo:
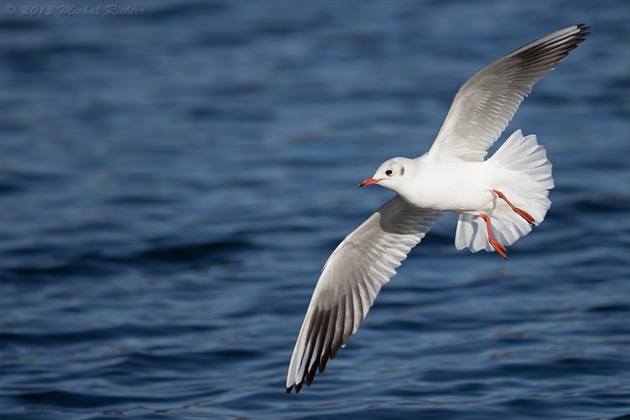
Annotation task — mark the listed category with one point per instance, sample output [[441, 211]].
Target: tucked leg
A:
[[528, 218], [495, 244]]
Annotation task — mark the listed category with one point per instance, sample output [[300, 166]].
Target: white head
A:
[[392, 174]]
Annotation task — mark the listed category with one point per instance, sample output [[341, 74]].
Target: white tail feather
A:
[[525, 179]]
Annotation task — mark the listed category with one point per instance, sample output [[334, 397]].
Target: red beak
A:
[[369, 181]]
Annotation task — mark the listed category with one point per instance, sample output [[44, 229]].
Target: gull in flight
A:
[[498, 199]]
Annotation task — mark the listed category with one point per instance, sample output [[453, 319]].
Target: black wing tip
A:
[[309, 376], [581, 34], [318, 350], [297, 387], [560, 44], [584, 31], [579, 37]]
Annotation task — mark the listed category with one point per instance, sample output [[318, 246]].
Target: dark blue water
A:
[[171, 183]]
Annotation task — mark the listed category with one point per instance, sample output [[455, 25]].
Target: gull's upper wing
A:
[[486, 103], [352, 277]]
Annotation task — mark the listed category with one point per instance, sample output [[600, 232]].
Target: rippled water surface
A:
[[172, 181]]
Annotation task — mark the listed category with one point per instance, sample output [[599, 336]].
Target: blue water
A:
[[171, 183]]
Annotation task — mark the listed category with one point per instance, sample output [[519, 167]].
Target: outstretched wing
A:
[[486, 103], [352, 277]]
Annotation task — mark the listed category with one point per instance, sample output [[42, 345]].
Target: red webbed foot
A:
[[500, 248]]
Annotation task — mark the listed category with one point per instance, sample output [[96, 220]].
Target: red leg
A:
[[495, 244], [528, 218]]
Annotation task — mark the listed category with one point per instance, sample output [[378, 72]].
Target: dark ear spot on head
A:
[[402, 170]]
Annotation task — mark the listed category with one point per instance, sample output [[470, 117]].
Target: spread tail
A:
[[525, 179]]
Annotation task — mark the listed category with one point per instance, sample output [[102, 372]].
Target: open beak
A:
[[369, 181]]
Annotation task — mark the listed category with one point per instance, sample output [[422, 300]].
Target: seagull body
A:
[[465, 182], [498, 199]]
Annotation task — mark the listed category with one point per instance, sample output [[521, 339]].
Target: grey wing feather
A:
[[486, 103], [350, 281]]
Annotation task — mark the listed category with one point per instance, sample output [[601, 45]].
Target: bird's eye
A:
[[389, 172]]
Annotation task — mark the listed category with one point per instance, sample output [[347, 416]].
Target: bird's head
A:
[[391, 174]]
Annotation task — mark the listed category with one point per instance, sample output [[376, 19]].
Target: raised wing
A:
[[486, 103], [352, 277]]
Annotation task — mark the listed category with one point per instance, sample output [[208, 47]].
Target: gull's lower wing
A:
[[486, 103], [352, 277]]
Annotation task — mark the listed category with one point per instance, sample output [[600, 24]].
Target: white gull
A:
[[498, 199]]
